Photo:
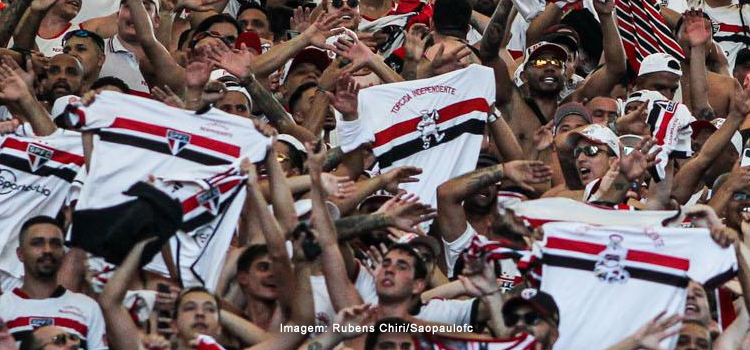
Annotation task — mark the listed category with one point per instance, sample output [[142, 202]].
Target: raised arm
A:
[[9, 18], [489, 52], [690, 175], [340, 288], [601, 82], [451, 194], [650, 334], [121, 331], [25, 34], [15, 91], [281, 196], [698, 31], [551, 15], [166, 70]]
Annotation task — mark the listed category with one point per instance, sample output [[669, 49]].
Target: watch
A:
[[492, 117]]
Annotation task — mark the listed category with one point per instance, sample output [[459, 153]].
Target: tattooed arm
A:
[[275, 112], [489, 52], [333, 159], [353, 226], [9, 19]]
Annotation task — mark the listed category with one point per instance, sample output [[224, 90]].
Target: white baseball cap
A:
[[292, 141], [660, 62], [598, 134]]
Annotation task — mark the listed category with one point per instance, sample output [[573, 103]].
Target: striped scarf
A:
[[643, 31]]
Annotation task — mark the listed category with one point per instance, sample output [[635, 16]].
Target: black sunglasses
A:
[[61, 339], [83, 33], [340, 3], [529, 318], [589, 151]]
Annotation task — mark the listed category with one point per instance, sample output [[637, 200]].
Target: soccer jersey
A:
[[436, 124], [139, 137], [36, 174], [427, 341], [212, 200], [728, 28], [123, 64], [617, 278], [74, 312]]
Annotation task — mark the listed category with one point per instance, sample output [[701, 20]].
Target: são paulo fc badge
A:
[[177, 140], [209, 199], [38, 156]]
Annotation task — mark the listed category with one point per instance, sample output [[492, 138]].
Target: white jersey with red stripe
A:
[[212, 200], [121, 63], [587, 268], [444, 341], [138, 137], [74, 312], [436, 124], [36, 175], [728, 27]]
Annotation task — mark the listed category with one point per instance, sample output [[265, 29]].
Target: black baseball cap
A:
[[541, 302]]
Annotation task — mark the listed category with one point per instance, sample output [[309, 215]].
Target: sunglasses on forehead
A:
[[83, 33], [340, 3]]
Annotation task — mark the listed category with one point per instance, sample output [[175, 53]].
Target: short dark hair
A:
[[37, 220], [254, 6], [184, 38], [296, 157], [451, 17], [297, 95], [372, 337], [219, 18], [420, 268], [111, 81], [194, 289], [251, 254]]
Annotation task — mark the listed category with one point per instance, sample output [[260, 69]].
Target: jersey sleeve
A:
[[100, 114], [458, 312], [712, 265], [97, 337]]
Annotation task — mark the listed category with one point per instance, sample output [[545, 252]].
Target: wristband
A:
[[492, 117]]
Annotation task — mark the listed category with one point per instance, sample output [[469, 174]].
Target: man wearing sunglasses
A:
[[595, 147], [347, 10], [51, 338], [534, 312]]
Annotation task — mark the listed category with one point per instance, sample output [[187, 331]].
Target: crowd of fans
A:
[[373, 174]]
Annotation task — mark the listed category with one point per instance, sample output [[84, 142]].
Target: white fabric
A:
[[36, 174], [436, 124], [53, 45], [212, 199], [396, 39], [140, 137], [351, 134], [587, 268], [458, 312], [670, 125], [74, 312], [121, 63], [453, 250]]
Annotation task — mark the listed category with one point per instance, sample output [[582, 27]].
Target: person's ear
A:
[[524, 77], [298, 118], [242, 278], [19, 253]]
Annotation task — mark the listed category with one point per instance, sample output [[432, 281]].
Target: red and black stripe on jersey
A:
[[115, 134], [393, 153], [196, 216], [59, 166], [652, 267]]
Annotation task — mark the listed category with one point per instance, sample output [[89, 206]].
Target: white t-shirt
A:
[[76, 313], [123, 64], [36, 174], [509, 268], [617, 278], [436, 124]]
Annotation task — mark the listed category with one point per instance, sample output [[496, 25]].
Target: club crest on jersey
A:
[[610, 267], [209, 199], [177, 141], [41, 322], [428, 128], [38, 156]]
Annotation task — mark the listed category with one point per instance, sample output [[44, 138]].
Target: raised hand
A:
[[405, 213], [197, 72], [604, 7], [196, 5], [12, 86], [351, 317], [741, 106], [478, 276], [167, 96], [300, 21], [213, 91], [322, 28], [316, 156], [9, 126], [354, 50], [248, 168], [399, 175], [234, 61], [375, 256], [27, 75], [337, 186], [345, 98], [449, 61], [635, 164], [524, 173], [415, 41], [634, 123], [653, 332], [543, 136], [697, 28]]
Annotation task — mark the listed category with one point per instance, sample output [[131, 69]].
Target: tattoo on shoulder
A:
[[706, 114]]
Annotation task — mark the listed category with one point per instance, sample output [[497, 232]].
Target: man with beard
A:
[[543, 74], [41, 301], [88, 47], [465, 203], [533, 312], [64, 77], [51, 337]]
